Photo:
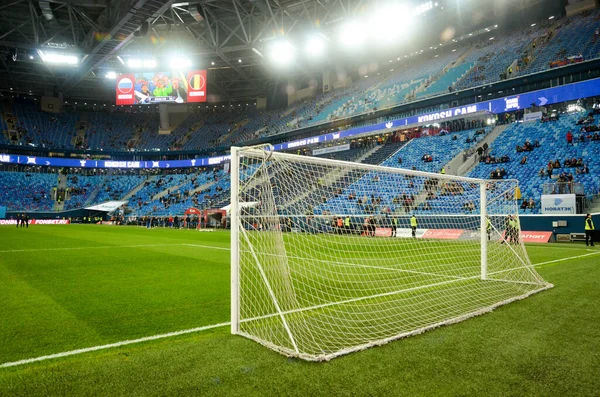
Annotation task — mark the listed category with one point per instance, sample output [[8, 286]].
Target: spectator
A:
[[524, 205], [531, 203], [524, 160], [542, 172], [569, 138]]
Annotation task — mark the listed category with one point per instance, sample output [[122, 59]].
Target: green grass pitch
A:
[[69, 287]]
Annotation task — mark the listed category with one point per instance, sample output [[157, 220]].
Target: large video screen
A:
[[161, 87]]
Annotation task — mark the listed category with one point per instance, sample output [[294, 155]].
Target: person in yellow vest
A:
[[518, 195], [394, 226], [347, 224], [589, 230], [413, 225], [443, 171]]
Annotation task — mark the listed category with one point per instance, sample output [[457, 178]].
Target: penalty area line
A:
[[112, 345]]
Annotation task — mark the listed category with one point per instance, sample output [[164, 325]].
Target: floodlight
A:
[[353, 34], [149, 63], [315, 46], [111, 75], [384, 25], [281, 52], [58, 58], [134, 63], [180, 63]]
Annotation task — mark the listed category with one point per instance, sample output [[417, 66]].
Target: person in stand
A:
[[589, 230], [413, 225]]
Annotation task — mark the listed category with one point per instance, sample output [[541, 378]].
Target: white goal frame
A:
[[237, 153]]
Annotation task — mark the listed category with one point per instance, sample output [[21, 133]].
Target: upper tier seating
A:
[[575, 35]]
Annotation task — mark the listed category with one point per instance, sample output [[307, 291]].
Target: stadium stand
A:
[[552, 146], [474, 63], [412, 155], [26, 191], [574, 39]]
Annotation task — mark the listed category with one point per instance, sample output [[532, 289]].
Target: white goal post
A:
[[335, 257]]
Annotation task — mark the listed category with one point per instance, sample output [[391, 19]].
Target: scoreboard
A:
[[161, 87]]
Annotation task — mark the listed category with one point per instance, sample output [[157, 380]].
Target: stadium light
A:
[[180, 63], [282, 52], [111, 75], [315, 46], [139, 63], [353, 34], [134, 63], [383, 23], [149, 63], [58, 58]]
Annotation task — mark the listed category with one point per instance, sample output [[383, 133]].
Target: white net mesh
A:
[[329, 260]]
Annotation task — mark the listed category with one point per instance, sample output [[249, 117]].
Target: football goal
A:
[[330, 257]]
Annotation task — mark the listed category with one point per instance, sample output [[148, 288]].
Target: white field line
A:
[[566, 259], [111, 345], [208, 246], [188, 331], [95, 247]]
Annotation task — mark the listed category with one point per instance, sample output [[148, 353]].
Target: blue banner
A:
[[2, 212], [548, 96]]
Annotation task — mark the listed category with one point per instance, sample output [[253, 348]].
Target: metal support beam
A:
[[34, 22], [14, 29]]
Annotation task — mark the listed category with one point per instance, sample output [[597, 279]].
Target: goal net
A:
[[331, 257]]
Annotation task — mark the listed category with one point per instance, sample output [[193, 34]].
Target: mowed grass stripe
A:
[[109, 294]]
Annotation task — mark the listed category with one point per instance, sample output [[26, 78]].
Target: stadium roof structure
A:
[[227, 37]]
